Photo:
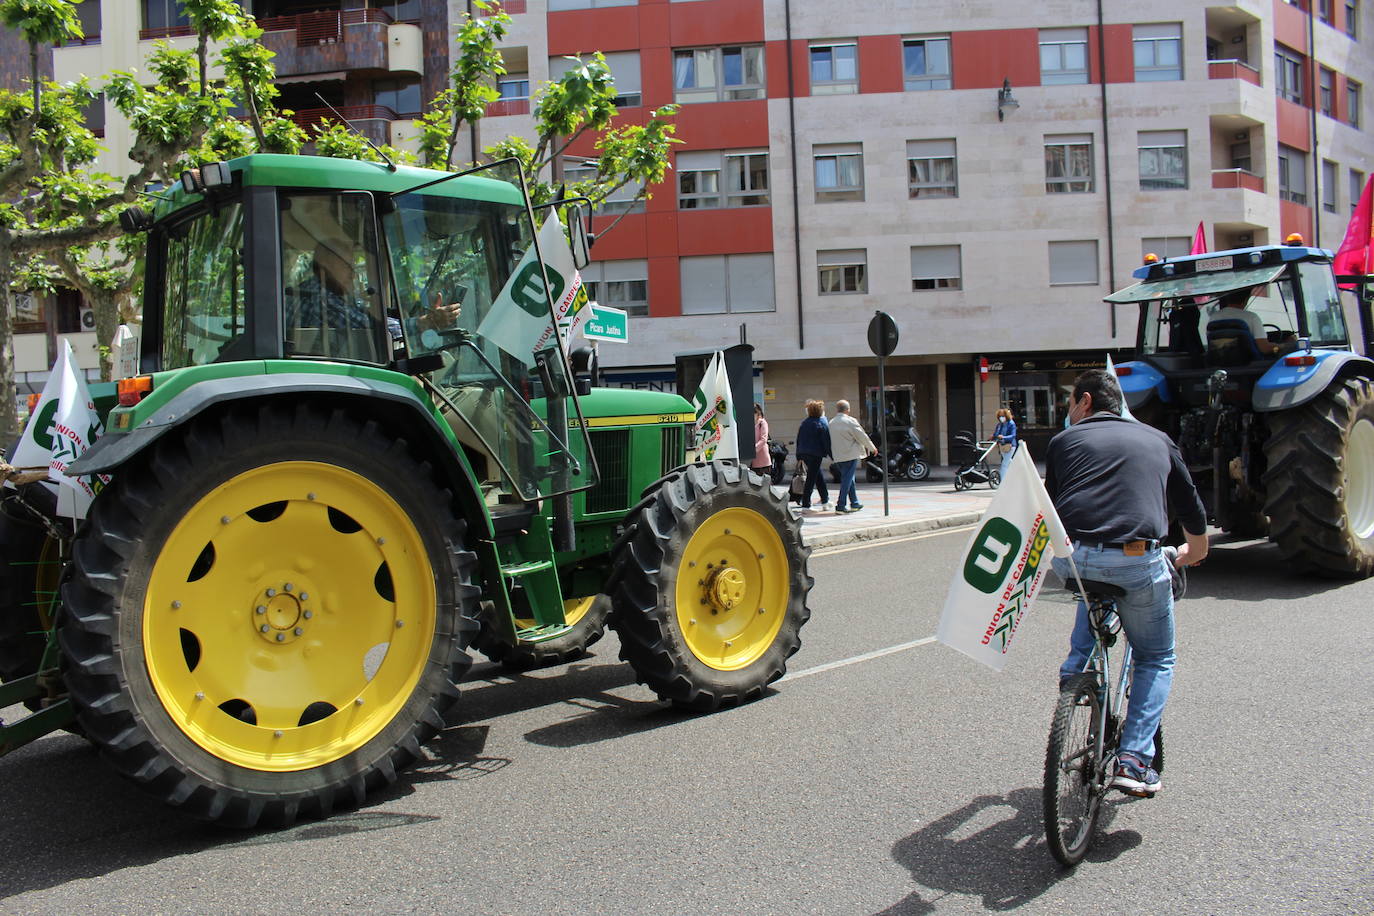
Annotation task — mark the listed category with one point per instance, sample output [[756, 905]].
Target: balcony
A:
[[1232, 70], [341, 41], [323, 27], [1223, 179], [504, 107], [513, 7], [372, 121]]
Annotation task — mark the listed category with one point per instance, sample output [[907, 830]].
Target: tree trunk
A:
[[9, 414], [105, 304]]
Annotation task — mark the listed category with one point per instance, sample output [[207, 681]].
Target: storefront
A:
[[1037, 386]]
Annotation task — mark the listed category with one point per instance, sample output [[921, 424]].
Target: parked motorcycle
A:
[[976, 468], [905, 459], [778, 452]]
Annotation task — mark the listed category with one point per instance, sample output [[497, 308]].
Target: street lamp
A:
[[1005, 102]]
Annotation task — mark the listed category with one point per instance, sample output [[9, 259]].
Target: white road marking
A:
[[854, 660], [883, 542]]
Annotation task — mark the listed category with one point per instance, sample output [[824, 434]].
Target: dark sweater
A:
[[1114, 480], [813, 438]]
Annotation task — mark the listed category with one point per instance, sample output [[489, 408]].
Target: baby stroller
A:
[[975, 468]]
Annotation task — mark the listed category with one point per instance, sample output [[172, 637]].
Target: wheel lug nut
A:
[[288, 586], [358, 701], [381, 541], [305, 596], [308, 614], [400, 623], [281, 637], [277, 733], [176, 605], [310, 496], [298, 631], [224, 519], [271, 593], [264, 628], [727, 530], [260, 609], [200, 694]]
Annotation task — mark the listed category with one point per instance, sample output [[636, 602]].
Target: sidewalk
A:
[[928, 505]]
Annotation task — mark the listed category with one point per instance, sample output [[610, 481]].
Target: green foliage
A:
[[471, 87], [339, 141], [42, 21]]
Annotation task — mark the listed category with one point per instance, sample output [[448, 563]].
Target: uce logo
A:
[[993, 551]]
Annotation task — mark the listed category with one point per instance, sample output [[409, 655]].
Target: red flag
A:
[[1199, 241], [1356, 254]]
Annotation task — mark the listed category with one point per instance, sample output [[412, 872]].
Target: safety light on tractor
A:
[[133, 390], [1300, 359], [1123, 370], [1294, 240], [33, 401]]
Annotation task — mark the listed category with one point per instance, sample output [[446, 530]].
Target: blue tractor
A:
[[1244, 358]]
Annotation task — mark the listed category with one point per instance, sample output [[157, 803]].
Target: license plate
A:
[[1214, 264]]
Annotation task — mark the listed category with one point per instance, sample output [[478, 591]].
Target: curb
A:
[[889, 530]]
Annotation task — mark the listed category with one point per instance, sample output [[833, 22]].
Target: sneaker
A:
[[1134, 778], [856, 507], [841, 510]]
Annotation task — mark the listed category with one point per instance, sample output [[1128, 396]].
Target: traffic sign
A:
[[882, 334], [607, 323]]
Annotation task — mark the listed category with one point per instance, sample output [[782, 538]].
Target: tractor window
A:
[[1322, 304], [330, 282], [203, 309]]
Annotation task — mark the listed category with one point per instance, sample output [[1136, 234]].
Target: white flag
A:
[[1125, 408], [519, 320], [63, 426], [1003, 567], [715, 432]]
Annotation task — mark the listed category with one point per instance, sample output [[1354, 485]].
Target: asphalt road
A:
[[886, 774]]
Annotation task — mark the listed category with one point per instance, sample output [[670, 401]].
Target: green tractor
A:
[[342, 467]]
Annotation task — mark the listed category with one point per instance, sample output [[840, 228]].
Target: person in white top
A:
[[1233, 306], [848, 443]]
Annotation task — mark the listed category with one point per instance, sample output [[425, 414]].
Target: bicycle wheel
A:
[[1073, 771]]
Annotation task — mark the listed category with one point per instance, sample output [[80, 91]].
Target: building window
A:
[[842, 271], [1329, 172], [834, 69], [717, 284], [88, 12], [1073, 262], [401, 96], [1352, 102], [164, 14], [699, 174], [839, 172], [1166, 246], [625, 199], [1069, 164], [94, 115], [1288, 74], [1327, 89], [1240, 155], [1063, 56], [718, 74], [403, 10], [1356, 187], [1163, 160], [1292, 175], [936, 267], [624, 67], [1158, 52], [1352, 18], [926, 63], [932, 168], [1324, 11], [621, 284], [513, 86]]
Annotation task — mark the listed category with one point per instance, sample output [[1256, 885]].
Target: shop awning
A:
[[1203, 284]]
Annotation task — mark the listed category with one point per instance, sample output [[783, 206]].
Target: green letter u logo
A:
[[993, 551]]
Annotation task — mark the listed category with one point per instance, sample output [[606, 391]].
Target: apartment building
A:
[[985, 172]]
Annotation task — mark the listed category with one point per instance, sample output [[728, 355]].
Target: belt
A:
[[1131, 548]]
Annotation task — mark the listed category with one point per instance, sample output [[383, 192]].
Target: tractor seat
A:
[[1230, 343]]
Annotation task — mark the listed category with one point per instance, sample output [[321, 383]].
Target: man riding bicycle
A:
[[1112, 480]]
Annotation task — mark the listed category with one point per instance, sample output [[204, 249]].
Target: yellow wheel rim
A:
[[574, 609], [289, 616], [732, 589]]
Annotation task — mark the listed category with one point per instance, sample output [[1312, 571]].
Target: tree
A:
[[60, 215], [582, 100]]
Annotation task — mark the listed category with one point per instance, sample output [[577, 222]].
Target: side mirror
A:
[[578, 237], [135, 219]]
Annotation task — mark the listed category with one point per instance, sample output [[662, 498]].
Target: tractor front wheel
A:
[[586, 623], [30, 565], [1320, 481], [710, 587], [267, 615]]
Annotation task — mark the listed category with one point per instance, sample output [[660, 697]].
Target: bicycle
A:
[[1080, 758]]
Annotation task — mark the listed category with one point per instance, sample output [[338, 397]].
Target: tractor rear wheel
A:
[[1320, 481], [586, 619], [710, 587], [30, 565], [267, 614]]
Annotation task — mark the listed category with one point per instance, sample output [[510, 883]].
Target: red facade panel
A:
[[1290, 26], [740, 230], [1294, 125], [1120, 52], [715, 22], [880, 64], [723, 125], [983, 59], [665, 288], [614, 28], [1294, 218]]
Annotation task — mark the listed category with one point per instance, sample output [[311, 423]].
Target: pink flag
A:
[[1199, 241], [1356, 254]]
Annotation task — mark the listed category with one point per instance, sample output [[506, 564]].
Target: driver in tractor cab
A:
[[1233, 308]]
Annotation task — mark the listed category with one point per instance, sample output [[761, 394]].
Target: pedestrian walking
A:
[[1005, 434], [1112, 481], [848, 444], [763, 460], [813, 445]]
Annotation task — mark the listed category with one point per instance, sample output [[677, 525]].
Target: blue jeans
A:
[[847, 470], [1147, 617], [815, 480], [1006, 462]]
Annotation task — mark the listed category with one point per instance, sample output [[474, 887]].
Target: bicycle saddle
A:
[[1101, 589]]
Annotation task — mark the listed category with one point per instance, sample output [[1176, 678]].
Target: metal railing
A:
[[1231, 70], [323, 27], [1223, 179]]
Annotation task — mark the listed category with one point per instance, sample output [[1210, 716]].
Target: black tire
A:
[[917, 470], [994, 478], [117, 625], [1320, 481], [589, 627], [872, 474], [674, 532], [29, 558], [1074, 776], [959, 483]]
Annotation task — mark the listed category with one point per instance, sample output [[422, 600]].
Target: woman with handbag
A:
[[1005, 434]]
